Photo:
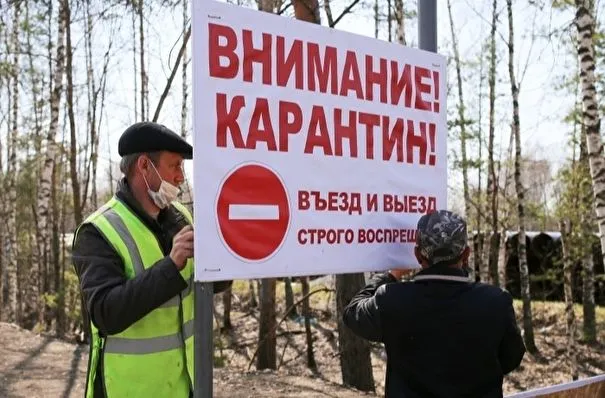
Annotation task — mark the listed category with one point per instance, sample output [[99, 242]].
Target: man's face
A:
[[169, 167]]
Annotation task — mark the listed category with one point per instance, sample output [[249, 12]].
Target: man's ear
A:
[[142, 163]]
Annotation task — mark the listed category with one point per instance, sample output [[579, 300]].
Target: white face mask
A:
[[166, 194]]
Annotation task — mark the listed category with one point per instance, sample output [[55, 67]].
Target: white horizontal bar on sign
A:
[[253, 212], [545, 391]]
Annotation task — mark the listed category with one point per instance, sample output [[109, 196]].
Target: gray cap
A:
[[441, 236]]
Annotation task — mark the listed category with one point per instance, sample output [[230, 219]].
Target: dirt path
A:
[[35, 366]]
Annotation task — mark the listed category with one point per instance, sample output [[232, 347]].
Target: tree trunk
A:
[[462, 124], [144, 91], [355, 359], [565, 229], [253, 300], [585, 24], [134, 63], [528, 327], [227, 295], [307, 10], [479, 263], [502, 259], [73, 154], [41, 260], [11, 227], [492, 179], [389, 20], [56, 244], [289, 297], [376, 18], [91, 114], [266, 358], [184, 82], [588, 300], [306, 309], [400, 18]]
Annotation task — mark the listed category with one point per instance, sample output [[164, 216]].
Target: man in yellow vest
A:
[[134, 260]]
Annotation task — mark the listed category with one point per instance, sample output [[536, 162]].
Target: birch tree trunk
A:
[[491, 273], [73, 154], [41, 260], [462, 124], [585, 24], [565, 228], [11, 236], [502, 259], [528, 327], [400, 18]]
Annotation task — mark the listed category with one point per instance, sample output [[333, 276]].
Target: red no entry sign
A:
[[253, 212]]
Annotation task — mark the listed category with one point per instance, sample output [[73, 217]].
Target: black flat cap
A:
[[152, 137]]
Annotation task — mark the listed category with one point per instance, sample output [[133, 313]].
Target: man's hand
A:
[[182, 247], [398, 273]]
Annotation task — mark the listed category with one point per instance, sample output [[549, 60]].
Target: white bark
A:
[[462, 124], [521, 243], [42, 256], [585, 24], [400, 18]]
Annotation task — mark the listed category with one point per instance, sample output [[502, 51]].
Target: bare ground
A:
[[33, 365]]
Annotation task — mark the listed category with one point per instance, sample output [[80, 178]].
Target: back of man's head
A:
[[441, 237]]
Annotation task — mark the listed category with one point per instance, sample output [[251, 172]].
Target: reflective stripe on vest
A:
[[119, 345], [116, 222]]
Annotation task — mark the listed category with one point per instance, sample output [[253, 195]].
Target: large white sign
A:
[[316, 151]]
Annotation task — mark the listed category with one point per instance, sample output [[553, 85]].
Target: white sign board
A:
[[315, 150]]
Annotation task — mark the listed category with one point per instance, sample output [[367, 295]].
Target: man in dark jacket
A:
[[117, 296], [444, 335]]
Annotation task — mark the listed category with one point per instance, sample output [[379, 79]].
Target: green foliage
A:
[[576, 205], [561, 4]]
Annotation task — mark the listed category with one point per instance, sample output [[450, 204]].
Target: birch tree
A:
[[491, 272], [11, 174], [41, 260], [461, 123], [400, 18], [585, 25], [528, 327]]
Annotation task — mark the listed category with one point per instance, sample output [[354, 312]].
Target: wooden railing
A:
[[593, 387]]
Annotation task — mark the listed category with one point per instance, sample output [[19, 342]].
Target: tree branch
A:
[[172, 74], [344, 13], [324, 289]]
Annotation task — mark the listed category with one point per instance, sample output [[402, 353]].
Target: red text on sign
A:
[[233, 55], [395, 139], [331, 236], [351, 202]]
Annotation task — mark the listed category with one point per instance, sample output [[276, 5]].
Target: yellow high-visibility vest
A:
[[154, 356]]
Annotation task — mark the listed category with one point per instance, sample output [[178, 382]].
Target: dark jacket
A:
[[112, 301], [443, 338]]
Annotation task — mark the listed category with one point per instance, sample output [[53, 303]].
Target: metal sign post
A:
[[427, 25], [204, 344]]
